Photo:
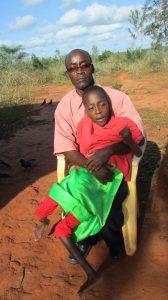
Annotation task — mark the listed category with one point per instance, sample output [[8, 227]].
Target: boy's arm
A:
[[127, 137]]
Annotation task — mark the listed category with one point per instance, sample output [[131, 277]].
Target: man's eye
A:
[[84, 65], [90, 108], [72, 69]]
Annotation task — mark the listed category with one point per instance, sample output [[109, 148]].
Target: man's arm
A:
[[76, 158], [101, 156], [104, 174]]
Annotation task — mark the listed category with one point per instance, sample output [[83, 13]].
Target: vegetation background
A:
[[20, 73]]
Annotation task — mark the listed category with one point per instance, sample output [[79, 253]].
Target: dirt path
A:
[[30, 270]]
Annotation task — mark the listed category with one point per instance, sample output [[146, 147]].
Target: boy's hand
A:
[[104, 174], [98, 159], [126, 134]]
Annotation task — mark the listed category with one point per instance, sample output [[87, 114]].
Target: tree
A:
[[151, 20], [137, 20], [11, 55], [95, 52], [105, 55], [36, 62], [156, 16]]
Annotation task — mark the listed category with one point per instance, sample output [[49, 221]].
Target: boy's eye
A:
[[90, 108]]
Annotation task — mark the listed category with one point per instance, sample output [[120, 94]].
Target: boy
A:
[[87, 209]]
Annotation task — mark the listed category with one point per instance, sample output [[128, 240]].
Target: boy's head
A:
[[97, 105]]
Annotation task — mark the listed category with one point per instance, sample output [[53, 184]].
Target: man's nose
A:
[[80, 70]]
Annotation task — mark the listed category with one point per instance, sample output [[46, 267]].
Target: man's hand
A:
[[98, 159], [104, 174]]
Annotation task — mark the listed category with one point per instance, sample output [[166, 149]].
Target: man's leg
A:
[[113, 236], [112, 231]]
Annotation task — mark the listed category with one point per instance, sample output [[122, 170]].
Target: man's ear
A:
[[92, 66]]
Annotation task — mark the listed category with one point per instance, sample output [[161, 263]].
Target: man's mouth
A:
[[81, 79]]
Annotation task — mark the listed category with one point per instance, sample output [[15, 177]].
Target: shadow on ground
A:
[[26, 132]]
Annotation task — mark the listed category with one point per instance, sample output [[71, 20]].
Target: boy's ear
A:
[[92, 66]]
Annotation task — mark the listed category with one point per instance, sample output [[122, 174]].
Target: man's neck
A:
[[80, 92]]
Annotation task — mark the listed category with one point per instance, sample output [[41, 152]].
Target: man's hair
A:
[[95, 88], [77, 50]]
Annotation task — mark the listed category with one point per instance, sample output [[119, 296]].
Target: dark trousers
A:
[[111, 233]]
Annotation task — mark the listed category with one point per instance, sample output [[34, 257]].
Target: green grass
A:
[[117, 85]]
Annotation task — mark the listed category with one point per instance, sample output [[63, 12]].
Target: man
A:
[[70, 111]]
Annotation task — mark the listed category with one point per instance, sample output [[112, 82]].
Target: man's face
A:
[[79, 70], [97, 108]]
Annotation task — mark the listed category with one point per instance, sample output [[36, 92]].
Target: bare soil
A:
[[39, 270]]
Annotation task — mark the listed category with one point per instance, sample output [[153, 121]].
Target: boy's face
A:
[[97, 108]]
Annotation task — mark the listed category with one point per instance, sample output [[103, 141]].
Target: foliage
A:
[[105, 55], [11, 55], [36, 62], [116, 85], [95, 53], [136, 54], [151, 20], [19, 73], [137, 20], [156, 16]]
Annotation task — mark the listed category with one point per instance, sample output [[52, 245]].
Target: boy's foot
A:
[[90, 283], [39, 231]]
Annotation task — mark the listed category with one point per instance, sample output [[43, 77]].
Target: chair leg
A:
[[130, 220]]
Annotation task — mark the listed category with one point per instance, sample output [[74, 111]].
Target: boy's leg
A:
[[84, 246], [40, 229], [93, 278], [64, 231], [45, 209]]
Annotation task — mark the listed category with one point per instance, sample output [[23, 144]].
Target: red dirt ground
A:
[[31, 270]]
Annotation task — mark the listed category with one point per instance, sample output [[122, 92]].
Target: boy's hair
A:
[[95, 88]]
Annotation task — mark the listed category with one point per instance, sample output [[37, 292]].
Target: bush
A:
[[105, 55], [16, 85], [117, 85], [134, 55]]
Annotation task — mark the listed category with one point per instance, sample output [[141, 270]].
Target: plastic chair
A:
[[130, 208], [130, 204]]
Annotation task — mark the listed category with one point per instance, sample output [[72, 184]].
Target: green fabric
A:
[[90, 201]]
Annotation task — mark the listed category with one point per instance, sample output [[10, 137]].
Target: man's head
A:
[[97, 105], [79, 69]]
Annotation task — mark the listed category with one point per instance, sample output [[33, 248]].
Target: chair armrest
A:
[[61, 167], [136, 160]]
